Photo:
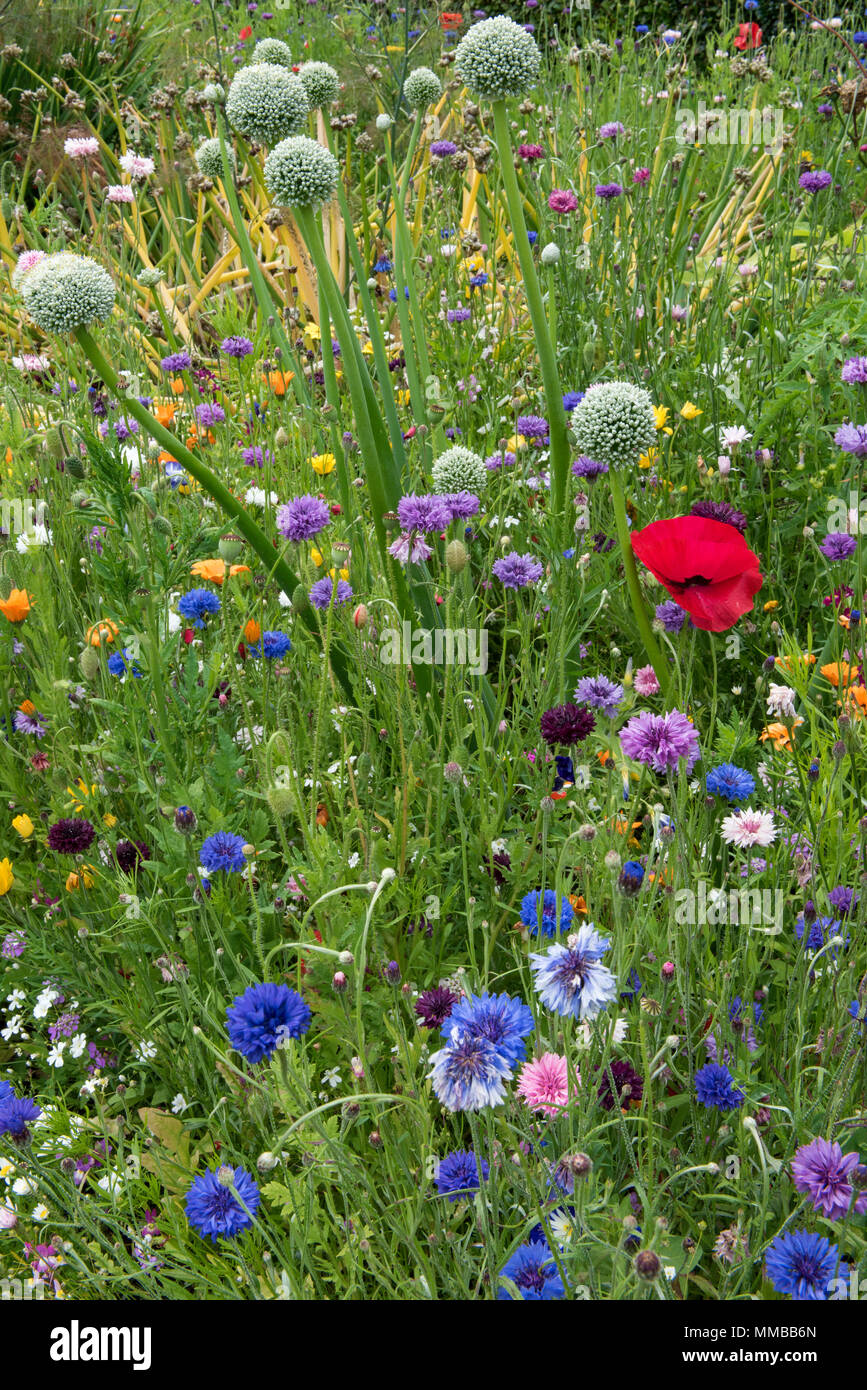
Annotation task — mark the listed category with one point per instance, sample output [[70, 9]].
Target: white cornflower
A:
[[179, 1104], [733, 435], [781, 701], [138, 166]]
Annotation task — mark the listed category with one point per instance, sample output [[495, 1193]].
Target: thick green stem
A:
[[650, 644], [273, 562], [546, 350]]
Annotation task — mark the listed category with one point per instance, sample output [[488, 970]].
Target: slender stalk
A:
[[640, 612]]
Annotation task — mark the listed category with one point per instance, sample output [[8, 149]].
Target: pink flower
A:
[[119, 193], [562, 200], [645, 681], [80, 146], [138, 166], [641, 175], [530, 152], [544, 1083]]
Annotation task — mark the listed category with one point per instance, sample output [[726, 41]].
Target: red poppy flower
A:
[[451, 20], [705, 565], [244, 34], [749, 36]]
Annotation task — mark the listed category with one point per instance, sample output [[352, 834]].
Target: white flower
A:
[[55, 1054], [781, 701], [22, 1187], [448, 250], [144, 1052], [31, 538], [747, 828], [40, 1212], [15, 998], [78, 1044], [13, 1026], [733, 435], [179, 1104], [138, 166], [563, 1227], [332, 1077], [43, 1003], [256, 497]]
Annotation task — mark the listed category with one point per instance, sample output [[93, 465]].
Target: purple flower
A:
[[852, 439], [501, 460], [125, 426], [13, 946], [458, 315], [854, 371], [28, 724], [532, 427], [814, 180], [585, 467], [838, 545], [610, 129], [517, 571], [409, 548], [567, 724], [236, 347], [608, 190], [423, 514], [661, 740], [255, 456], [720, 511], [302, 518], [441, 149], [209, 413], [462, 505], [670, 615], [822, 1170], [716, 1089], [320, 594], [176, 362], [843, 900], [599, 693]]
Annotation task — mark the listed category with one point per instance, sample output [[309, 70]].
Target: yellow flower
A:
[[24, 825], [323, 463], [344, 573], [660, 415], [109, 820], [690, 411], [83, 880], [650, 458], [806, 156], [771, 604], [7, 878], [403, 396], [81, 791], [315, 555]]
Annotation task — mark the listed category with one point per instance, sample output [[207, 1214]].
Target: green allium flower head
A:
[[497, 58], [266, 103], [614, 423], [321, 83], [273, 51], [215, 93], [422, 88], [150, 276], [210, 160], [300, 172], [65, 292], [459, 470]]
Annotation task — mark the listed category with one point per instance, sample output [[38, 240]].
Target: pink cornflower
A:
[[119, 193], [544, 1083], [562, 200], [80, 146], [641, 175], [645, 682], [138, 166], [747, 828]]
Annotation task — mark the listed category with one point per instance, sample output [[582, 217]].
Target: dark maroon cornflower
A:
[[629, 1087], [495, 866], [434, 1006], [720, 511], [71, 836], [567, 724], [130, 854]]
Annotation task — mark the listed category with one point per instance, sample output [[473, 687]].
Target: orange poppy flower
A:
[[577, 902], [786, 664], [322, 814], [252, 631], [778, 734], [16, 606], [27, 707], [278, 381], [835, 672], [164, 412], [177, 386], [215, 570], [197, 436], [103, 631]]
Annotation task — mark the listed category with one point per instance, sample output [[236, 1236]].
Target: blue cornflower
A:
[[730, 782], [530, 908], [803, 1264], [6, 1092], [571, 980], [820, 930], [176, 477], [198, 604], [598, 692], [457, 1174], [15, 1115], [634, 985], [533, 1271], [273, 645], [118, 664], [392, 294], [264, 1016], [225, 851], [571, 399], [532, 237], [213, 1210], [383, 266], [476, 281], [716, 1089], [501, 1019], [469, 1073], [858, 1010]]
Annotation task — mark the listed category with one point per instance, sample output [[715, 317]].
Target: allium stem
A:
[[640, 612], [544, 346]]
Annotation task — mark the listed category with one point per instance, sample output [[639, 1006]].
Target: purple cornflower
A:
[[320, 594], [255, 456], [585, 467], [599, 693], [608, 190], [441, 149], [610, 129], [843, 900], [28, 724], [236, 347], [302, 518], [852, 439], [822, 1170], [423, 513], [814, 180], [502, 460], [433, 1006], [209, 413], [838, 545], [124, 427], [670, 615], [854, 371], [458, 315], [720, 511], [462, 505], [517, 571], [176, 362], [532, 427], [410, 549], [661, 740]]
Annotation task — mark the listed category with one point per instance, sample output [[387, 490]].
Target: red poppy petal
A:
[[717, 607], [681, 547]]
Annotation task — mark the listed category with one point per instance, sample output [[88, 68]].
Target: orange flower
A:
[[103, 631], [215, 570], [785, 663], [197, 436], [857, 697], [16, 606], [252, 631], [164, 412], [578, 903], [278, 381], [834, 673], [450, 20], [322, 814], [778, 734], [177, 386], [27, 707]]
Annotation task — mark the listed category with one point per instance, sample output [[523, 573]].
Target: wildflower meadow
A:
[[433, 754]]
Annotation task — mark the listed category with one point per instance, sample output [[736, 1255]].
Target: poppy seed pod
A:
[[456, 556]]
